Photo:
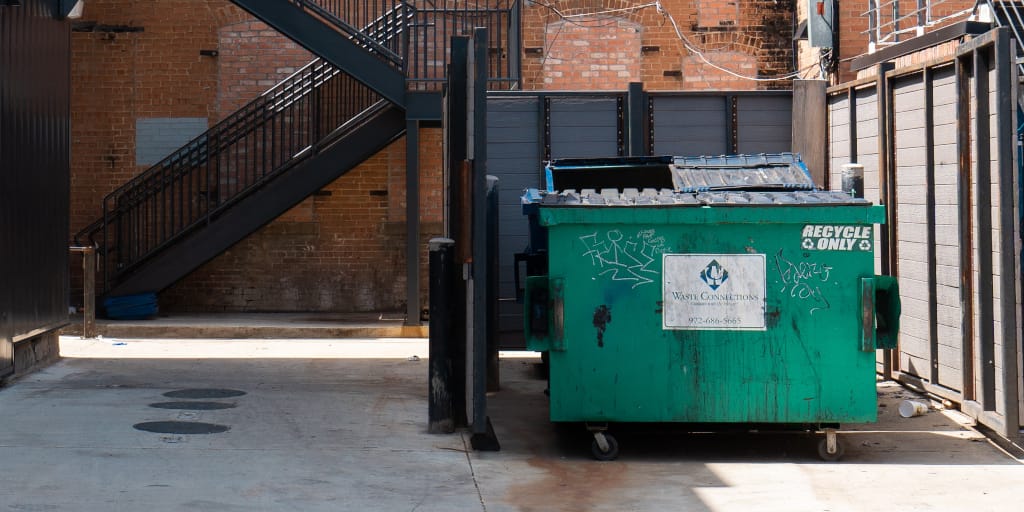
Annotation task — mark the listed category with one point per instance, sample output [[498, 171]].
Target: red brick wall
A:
[[343, 249], [118, 77], [854, 40], [252, 58], [345, 253], [592, 54], [716, 13], [726, 32]]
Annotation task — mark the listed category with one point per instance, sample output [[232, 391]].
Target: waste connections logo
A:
[[823, 237], [714, 274]]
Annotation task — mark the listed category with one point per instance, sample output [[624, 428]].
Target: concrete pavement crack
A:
[[472, 473]]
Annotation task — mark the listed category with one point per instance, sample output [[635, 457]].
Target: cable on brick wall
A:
[[691, 48]]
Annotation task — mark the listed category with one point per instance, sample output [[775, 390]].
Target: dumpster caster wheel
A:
[[831, 449], [604, 447]]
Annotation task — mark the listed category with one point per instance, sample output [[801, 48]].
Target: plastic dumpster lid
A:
[[741, 172], [764, 179], [777, 171], [666, 197]]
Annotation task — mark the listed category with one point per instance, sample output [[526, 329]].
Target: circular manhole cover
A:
[[181, 427], [204, 393], [193, 406]]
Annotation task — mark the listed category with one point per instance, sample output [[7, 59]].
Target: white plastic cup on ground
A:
[[911, 408]]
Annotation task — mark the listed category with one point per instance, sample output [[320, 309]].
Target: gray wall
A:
[[946, 169]]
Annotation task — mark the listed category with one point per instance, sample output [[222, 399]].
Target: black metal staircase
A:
[[277, 150]]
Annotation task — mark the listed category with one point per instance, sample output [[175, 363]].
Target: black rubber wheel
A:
[[830, 457], [611, 454]]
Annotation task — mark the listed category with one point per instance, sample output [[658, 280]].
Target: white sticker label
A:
[[724, 292], [823, 237]]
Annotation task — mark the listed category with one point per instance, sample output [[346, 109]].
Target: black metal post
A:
[[440, 400], [493, 380], [455, 136], [483, 433], [412, 222], [635, 115]]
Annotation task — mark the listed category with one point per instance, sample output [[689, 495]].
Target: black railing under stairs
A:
[[423, 48], [293, 120], [290, 122]]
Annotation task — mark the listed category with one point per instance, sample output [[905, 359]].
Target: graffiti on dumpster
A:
[[803, 280], [625, 258]]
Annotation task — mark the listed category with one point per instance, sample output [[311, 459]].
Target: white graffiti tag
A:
[[802, 280], [622, 258]]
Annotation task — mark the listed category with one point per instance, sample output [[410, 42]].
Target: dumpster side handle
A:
[[544, 305], [537, 309], [880, 313]]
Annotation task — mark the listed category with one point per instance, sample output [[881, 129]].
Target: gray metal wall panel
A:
[[583, 127], [975, 276], [765, 124], [34, 171], [947, 227], [514, 156], [690, 125], [839, 144], [994, 191], [908, 105], [868, 145]]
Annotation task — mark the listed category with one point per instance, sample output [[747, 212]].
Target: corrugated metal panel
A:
[[34, 182], [514, 154], [691, 125], [584, 127], [764, 124]]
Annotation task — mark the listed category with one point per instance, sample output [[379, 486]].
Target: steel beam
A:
[[412, 222], [334, 47]]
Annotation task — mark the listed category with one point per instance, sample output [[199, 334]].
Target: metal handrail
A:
[[886, 22], [387, 18], [1010, 15], [298, 117], [435, 21]]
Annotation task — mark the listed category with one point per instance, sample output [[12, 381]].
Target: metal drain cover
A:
[[181, 427], [204, 393], [193, 406]]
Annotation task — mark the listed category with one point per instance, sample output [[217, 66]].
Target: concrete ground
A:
[[256, 325], [340, 425]]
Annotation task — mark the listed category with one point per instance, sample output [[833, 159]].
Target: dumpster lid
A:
[[778, 171], [741, 172], [667, 197]]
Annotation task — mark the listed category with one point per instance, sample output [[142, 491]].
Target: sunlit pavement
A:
[[313, 425]]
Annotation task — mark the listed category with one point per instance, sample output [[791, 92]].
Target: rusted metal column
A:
[[88, 290], [89, 293]]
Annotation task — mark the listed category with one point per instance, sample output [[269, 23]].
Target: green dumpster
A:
[[741, 295]]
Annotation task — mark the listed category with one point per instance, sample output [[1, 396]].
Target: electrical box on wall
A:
[[820, 23]]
